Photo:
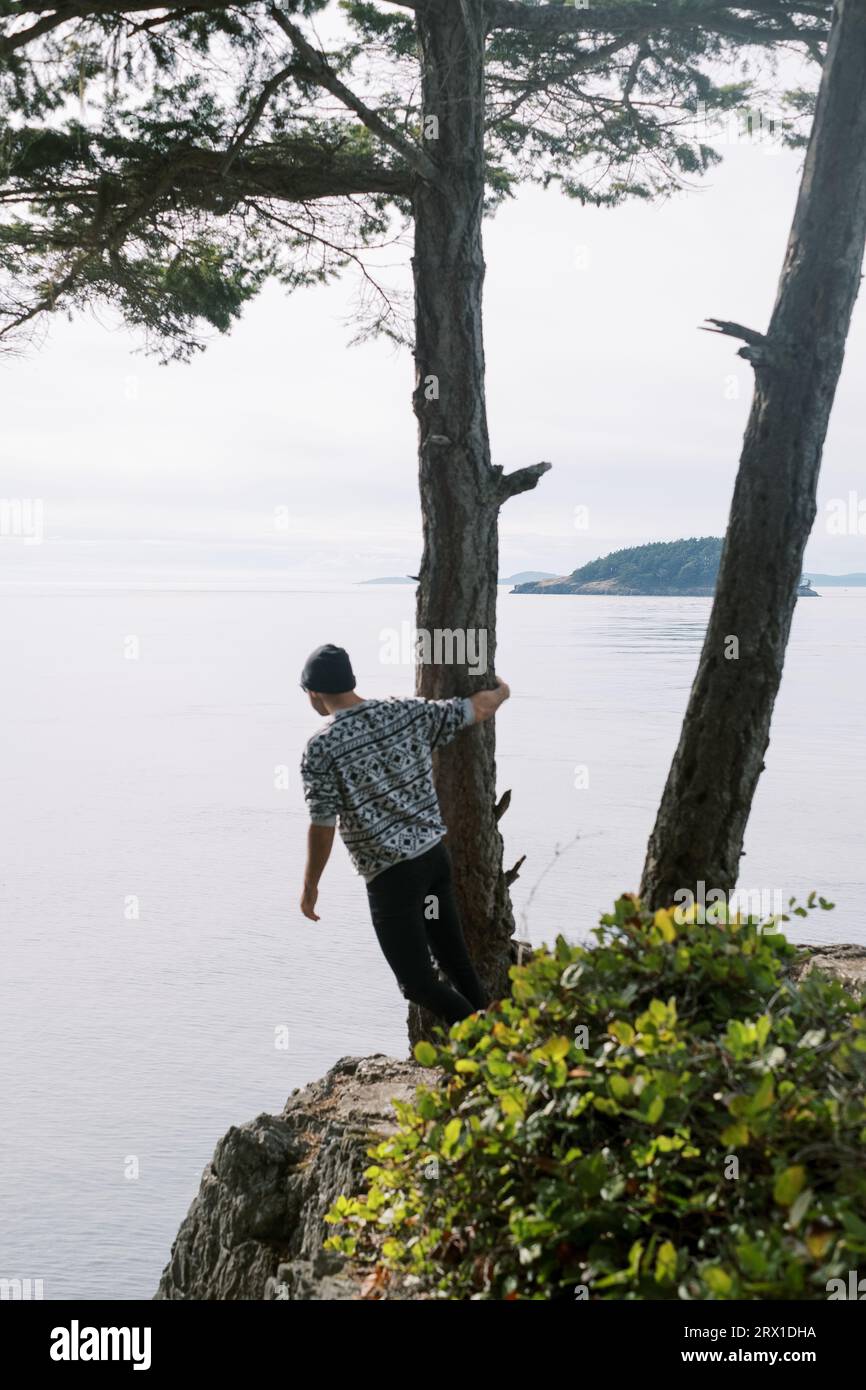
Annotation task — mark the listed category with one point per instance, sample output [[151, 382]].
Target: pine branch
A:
[[766, 21], [189, 182], [761, 22], [55, 14], [258, 110], [328, 79]]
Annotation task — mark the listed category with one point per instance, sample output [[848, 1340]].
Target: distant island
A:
[[685, 569], [527, 577], [522, 577], [391, 579]]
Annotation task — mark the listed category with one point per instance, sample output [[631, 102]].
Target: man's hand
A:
[[309, 898], [486, 702], [320, 838]]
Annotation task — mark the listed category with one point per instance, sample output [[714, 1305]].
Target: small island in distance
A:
[[522, 577], [683, 569]]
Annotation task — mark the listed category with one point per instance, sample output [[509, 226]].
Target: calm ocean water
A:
[[153, 950]]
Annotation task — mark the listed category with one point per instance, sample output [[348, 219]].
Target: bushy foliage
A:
[[664, 1114]]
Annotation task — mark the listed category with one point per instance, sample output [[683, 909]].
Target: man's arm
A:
[[320, 840], [486, 702], [322, 796], [447, 718]]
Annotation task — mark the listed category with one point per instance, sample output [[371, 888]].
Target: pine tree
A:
[[702, 818]]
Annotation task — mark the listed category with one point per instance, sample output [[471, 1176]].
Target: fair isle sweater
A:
[[372, 766]]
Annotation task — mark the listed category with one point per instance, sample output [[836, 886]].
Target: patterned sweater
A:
[[372, 766]]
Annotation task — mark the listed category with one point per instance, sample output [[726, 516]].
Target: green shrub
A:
[[550, 1162]]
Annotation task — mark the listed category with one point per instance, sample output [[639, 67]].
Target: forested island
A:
[[687, 568]]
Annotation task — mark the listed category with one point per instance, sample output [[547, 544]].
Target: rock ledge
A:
[[255, 1229]]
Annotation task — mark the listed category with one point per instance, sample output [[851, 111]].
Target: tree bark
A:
[[698, 834], [460, 490]]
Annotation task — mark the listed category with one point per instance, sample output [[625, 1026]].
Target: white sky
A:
[[172, 474]]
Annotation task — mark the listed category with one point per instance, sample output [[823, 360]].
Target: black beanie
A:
[[329, 670]]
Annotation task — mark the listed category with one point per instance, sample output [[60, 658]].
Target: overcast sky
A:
[[174, 474]]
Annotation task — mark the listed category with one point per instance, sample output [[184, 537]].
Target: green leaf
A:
[[451, 1134], [634, 1258], [764, 1096], [655, 1110], [718, 1280], [623, 1032], [513, 1105], [666, 1263], [425, 1054], [800, 1207], [789, 1184], [735, 1136]]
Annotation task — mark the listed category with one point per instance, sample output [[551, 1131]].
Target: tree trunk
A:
[[698, 834], [460, 490]]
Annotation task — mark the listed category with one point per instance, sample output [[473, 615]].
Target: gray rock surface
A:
[[846, 962], [255, 1229]]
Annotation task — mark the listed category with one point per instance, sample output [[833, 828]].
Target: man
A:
[[372, 765]]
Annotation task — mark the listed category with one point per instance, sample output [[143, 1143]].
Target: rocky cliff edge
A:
[[256, 1228]]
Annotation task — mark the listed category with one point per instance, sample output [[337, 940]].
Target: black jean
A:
[[414, 914]]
